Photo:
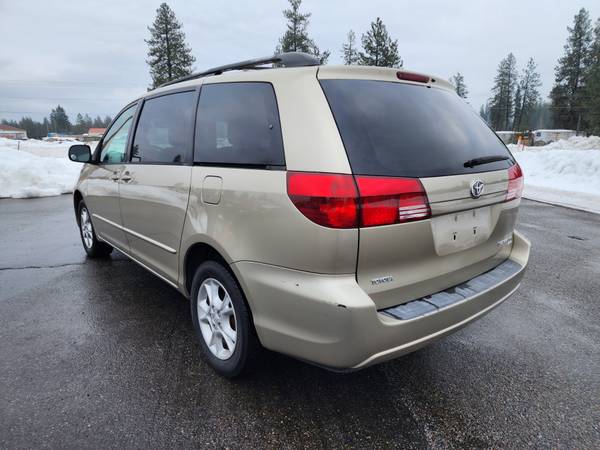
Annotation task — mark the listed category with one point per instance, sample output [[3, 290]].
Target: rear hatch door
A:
[[393, 130]]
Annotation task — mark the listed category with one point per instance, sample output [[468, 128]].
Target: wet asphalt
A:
[[101, 354]]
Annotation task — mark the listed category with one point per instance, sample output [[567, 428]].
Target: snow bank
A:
[[565, 172], [575, 143], [23, 173], [53, 149]]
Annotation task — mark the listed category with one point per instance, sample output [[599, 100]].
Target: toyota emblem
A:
[[477, 187]]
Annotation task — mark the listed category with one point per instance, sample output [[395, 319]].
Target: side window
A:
[[238, 123], [164, 130], [114, 144]]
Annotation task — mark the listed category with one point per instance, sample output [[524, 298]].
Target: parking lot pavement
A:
[[100, 353]]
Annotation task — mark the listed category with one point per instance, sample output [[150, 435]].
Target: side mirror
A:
[[80, 153]]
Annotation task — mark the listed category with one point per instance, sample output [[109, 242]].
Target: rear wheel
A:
[[222, 320], [92, 246]]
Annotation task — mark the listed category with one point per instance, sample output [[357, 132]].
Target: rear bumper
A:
[[331, 321]]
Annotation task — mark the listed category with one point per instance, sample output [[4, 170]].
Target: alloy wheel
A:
[[217, 320], [87, 231]]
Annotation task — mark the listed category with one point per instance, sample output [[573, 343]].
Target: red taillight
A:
[[384, 201], [332, 200], [409, 76], [515, 182], [327, 199]]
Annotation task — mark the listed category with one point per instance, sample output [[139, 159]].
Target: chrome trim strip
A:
[[136, 234], [166, 280]]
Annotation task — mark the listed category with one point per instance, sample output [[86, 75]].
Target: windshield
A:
[[397, 129]]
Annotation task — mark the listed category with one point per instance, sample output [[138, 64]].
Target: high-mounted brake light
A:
[[333, 200], [410, 76], [515, 182], [384, 201]]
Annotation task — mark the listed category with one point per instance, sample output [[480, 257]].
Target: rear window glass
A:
[[164, 131], [238, 123], [395, 129]]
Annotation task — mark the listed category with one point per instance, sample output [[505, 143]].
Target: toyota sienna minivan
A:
[[343, 215]]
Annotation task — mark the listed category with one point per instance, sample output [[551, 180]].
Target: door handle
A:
[[126, 178], [114, 177]]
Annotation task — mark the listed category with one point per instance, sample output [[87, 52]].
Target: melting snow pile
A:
[[37, 169], [566, 172]]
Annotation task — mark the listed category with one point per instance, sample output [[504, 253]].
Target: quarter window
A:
[[238, 124], [164, 130], [114, 144]]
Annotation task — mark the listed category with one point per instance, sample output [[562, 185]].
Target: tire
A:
[[92, 246], [222, 321]]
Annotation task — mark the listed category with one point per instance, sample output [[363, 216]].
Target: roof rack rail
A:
[[288, 59]]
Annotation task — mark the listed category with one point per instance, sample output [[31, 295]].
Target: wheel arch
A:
[[199, 252], [195, 255], [77, 197]]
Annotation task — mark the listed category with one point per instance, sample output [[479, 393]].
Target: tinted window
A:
[[164, 130], [398, 129], [114, 144], [238, 123]]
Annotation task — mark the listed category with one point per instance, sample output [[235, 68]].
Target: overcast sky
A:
[[89, 56]]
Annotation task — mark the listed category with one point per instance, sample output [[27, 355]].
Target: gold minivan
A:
[[342, 215]]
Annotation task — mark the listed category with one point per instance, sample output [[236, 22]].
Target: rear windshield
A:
[[395, 129]]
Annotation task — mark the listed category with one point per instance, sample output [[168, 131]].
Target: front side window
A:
[[164, 130], [114, 144], [238, 124]]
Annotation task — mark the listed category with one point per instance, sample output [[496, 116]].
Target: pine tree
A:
[[459, 85], [484, 112], [59, 120], [11, 123], [87, 120], [379, 48], [46, 126], [169, 57], [518, 100], [540, 116], [30, 126], [502, 100], [591, 92], [79, 127], [97, 122], [349, 50], [295, 38], [527, 96], [567, 95]]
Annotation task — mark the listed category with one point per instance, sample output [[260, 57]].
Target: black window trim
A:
[[98, 149], [189, 157], [242, 165]]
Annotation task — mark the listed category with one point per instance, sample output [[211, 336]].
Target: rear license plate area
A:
[[462, 230]]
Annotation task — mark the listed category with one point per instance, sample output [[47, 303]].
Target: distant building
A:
[[96, 132], [543, 137], [6, 131]]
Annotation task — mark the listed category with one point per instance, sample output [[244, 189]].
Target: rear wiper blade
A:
[[485, 160]]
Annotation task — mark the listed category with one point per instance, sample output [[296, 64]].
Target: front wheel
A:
[[222, 320], [92, 246]]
